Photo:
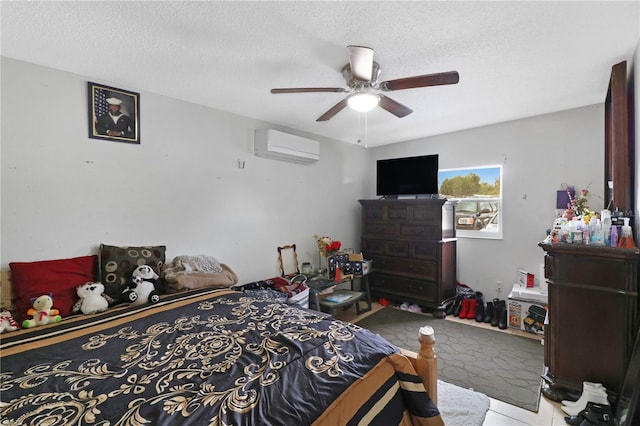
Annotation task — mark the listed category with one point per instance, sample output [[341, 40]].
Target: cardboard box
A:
[[527, 310], [525, 279]]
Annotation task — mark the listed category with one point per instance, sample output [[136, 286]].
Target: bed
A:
[[212, 357]]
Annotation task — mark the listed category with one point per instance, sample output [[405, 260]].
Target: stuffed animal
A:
[[143, 286], [7, 323], [92, 299], [42, 312]]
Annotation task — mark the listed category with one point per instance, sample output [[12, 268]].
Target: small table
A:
[[348, 297]]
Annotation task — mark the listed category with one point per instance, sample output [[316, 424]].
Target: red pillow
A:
[[59, 277]]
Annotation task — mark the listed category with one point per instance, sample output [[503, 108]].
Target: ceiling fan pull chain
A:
[[366, 145], [362, 129]]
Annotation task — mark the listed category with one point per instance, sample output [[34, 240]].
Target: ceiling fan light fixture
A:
[[363, 101]]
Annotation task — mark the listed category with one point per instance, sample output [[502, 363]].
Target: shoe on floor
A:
[[589, 397], [586, 388], [415, 308], [385, 302]]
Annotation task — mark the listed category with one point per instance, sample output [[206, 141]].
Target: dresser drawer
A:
[[386, 212], [424, 270], [382, 247], [373, 212], [593, 271], [415, 231], [383, 229], [424, 250], [418, 250], [430, 215], [403, 288], [397, 213]]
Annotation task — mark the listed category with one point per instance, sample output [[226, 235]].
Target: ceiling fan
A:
[[361, 75]]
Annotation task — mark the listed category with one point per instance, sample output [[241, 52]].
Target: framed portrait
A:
[[114, 114]]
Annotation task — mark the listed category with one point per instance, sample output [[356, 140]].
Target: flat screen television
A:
[[407, 176]]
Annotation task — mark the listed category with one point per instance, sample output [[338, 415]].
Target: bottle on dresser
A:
[[596, 232], [605, 215], [614, 236]]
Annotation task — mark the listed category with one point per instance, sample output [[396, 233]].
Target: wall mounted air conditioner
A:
[[269, 143]]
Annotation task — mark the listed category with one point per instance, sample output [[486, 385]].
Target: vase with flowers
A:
[[578, 205], [326, 247]]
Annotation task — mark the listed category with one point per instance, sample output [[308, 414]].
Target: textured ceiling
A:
[[515, 59]]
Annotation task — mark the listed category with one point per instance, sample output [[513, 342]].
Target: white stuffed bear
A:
[[143, 286], [92, 299]]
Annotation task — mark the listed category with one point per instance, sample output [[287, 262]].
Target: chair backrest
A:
[[288, 259]]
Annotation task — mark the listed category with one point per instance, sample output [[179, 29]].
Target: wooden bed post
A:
[[426, 362]]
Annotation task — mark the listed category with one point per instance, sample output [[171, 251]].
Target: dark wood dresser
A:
[[413, 247], [593, 314]]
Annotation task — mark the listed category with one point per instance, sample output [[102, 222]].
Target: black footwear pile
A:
[[593, 415], [474, 307]]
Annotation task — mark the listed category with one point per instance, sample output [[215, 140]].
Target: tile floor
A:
[[500, 413]]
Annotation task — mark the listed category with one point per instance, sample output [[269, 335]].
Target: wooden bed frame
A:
[[425, 361]]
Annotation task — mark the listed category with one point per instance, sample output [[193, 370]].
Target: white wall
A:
[[63, 194], [538, 155]]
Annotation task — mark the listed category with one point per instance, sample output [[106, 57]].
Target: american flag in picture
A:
[[100, 106]]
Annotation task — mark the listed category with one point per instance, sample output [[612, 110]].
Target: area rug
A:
[[501, 365], [461, 407]]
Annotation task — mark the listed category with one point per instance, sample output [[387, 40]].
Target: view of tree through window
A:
[[478, 194]]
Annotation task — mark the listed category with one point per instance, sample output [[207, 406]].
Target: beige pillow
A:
[[196, 280]]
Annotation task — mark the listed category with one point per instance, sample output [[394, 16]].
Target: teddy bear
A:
[[143, 286], [92, 298], [7, 323], [42, 312]]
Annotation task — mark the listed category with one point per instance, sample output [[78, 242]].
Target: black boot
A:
[[457, 307], [502, 321], [498, 308], [480, 311], [488, 316]]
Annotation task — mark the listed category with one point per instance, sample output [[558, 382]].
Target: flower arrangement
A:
[[327, 246], [578, 205]]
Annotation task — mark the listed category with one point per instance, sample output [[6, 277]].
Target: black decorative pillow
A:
[[118, 262]]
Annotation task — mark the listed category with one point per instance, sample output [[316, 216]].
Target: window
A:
[[478, 191]]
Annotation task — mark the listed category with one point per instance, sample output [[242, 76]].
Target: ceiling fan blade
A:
[[438, 79], [333, 111], [361, 62], [394, 107], [309, 89]]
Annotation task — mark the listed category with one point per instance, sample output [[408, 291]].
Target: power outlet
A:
[[498, 288]]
